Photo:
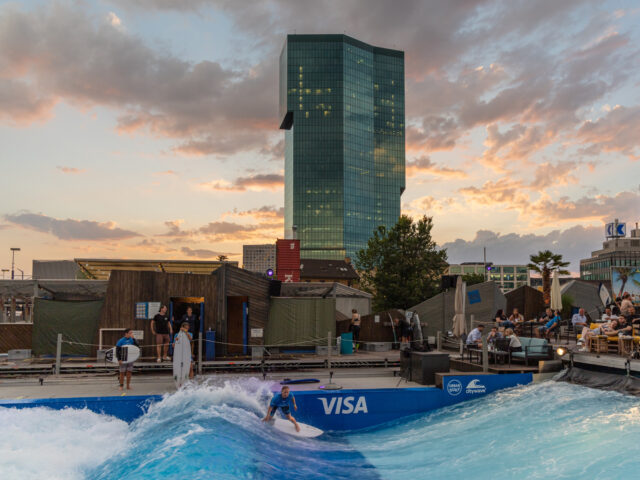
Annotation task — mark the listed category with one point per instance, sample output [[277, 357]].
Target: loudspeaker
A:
[[274, 288]]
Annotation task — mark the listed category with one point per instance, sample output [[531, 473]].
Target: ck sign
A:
[[616, 229]]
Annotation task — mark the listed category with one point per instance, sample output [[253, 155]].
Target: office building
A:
[[616, 251], [259, 258], [508, 277], [342, 109]]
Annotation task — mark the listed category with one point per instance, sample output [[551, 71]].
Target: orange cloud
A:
[[269, 181], [71, 170], [424, 164]]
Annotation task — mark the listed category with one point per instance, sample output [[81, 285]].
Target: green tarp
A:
[[300, 321], [76, 321]]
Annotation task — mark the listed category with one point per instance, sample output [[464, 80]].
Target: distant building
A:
[[616, 252], [508, 277], [259, 258], [339, 271], [342, 109]]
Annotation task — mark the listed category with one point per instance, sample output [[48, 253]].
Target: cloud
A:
[[267, 211], [71, 170], [170, 173], [424, 164], [70, 229], [222, 231], [208, 108], [260, 181], [512, 248], [174, 230], [203, 253], [618, 131], [598, 207]]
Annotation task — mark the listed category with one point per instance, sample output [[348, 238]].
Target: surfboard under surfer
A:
[[185, 328], [284, 401]]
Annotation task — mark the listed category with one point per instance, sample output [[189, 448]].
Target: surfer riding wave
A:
[[284, 401]]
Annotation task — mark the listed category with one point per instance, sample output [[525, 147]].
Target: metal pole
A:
[[58, 353], [438, 341], [329, 351], [200, 354], [485, 356]]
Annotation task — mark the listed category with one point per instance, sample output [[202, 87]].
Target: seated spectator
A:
[[494, 334], [500, 317], [516, 317], [552, 325], [547, 315], [608, 315], [616, 327], [514, 341], [615, 309], [626, 306], [624, 326], [579, 320], [474, 339]]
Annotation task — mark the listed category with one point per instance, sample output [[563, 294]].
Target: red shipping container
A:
[[288, 260]]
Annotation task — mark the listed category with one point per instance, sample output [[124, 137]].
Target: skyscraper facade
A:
[[342, 109]]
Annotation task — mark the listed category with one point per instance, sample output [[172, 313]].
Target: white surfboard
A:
[[128, 354], [181, 358], [306, 431]]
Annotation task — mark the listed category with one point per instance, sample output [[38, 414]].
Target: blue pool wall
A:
[[334, 410]]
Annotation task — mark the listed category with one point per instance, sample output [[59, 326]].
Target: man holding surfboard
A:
[[284, 401], [125, 367]]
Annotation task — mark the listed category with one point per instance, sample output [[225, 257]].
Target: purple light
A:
[[270, 272]]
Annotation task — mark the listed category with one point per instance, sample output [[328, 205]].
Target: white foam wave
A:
[[38, 443]]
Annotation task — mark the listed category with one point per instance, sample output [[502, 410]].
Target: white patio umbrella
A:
[[459, 323], [556, 296]]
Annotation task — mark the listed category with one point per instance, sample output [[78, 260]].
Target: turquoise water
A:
[[549, 430]]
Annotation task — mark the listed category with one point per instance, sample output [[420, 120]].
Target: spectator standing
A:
[[163, 331]]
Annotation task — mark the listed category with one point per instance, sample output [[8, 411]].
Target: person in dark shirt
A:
[[192, 320], [163, 331]]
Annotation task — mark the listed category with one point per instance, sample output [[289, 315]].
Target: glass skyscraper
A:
[[342, 109]]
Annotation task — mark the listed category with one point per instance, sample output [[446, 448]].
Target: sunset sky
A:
[[149, 129]]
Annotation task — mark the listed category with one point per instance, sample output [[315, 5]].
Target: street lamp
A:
[[13, 260]]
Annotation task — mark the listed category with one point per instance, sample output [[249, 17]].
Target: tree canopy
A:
[[473, 278], [401, 266]]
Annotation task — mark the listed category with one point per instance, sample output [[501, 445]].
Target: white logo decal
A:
[[340, 405], [454, 387], [475, 386]]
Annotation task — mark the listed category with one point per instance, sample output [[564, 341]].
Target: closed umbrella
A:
[[459, 323], [556, 296]]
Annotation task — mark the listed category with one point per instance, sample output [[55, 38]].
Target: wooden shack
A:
[[527, 300], [231, 301]]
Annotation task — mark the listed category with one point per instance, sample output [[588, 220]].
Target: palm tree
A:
[[545, 263], [222, 258], [623, 274]]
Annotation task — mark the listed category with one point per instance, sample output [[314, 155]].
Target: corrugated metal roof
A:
[[339, 269], [55, 269]]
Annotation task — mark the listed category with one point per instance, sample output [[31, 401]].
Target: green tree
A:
[[473, 278], [401, 266], [545, 263]]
